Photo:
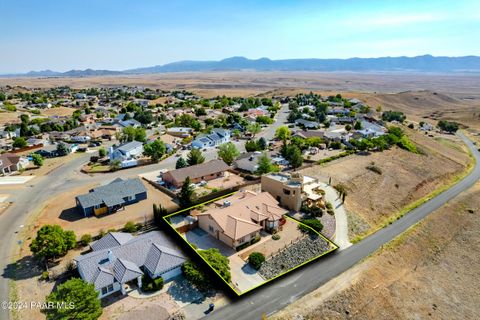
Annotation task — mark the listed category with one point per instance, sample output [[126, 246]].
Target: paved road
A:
[[286, 290], [68, 176]]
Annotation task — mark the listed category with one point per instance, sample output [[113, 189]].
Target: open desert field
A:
[[436, 96], [404, 178], [427, 273]]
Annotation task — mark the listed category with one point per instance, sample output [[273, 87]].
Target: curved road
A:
[[282, 292], [30, 196]]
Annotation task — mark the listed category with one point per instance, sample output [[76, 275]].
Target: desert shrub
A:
[[85, 240], [151, 285], [256, 259], [45, 276], [312, 223], [374, 168], [130, 227]]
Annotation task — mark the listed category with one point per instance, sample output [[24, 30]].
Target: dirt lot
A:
[[430, 272], [406, 177], [62, 211], [60, 111]]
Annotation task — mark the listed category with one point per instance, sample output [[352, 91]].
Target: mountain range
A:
[[425, 63]]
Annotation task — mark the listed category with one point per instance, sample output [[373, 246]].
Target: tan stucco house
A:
[[239, 218]]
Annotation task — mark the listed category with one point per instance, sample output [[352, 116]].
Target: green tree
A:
[[357, 125], [37, 159], [196, 275], [52, 241], [217, 261], [80, 301], [62, 149], [195, 157], [283, 133], [256, 259], [102, 152], [186, 194], [265, 165], [251, 145], [181, 163], [115, 165], [448, 126], [155, 150], [253, 128], [19, 142], [312, 223], [131, 134], [2, 96], [295, 156], [228, 152], [262, 143], [159, 212]]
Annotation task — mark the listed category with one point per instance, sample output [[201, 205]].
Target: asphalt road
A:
[[29, 197], [284, 291]]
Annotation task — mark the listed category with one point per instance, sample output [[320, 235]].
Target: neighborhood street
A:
[[284, 291], [30, 197]]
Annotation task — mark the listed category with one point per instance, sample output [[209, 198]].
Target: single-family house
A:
[[215, 138], [197, 173], [119, 258], [182, 132], [111, 197], [130, 123], [239, 218], [10, 163], [307, 124], [293, 190], [127, 151]]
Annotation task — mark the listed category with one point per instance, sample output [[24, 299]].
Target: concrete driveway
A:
[[244, 276], [205, 241]]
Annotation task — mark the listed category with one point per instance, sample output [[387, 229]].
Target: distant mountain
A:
[[426, 63]]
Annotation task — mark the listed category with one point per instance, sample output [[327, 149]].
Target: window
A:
[[242, 240], [285, 191], [97, 206], [210, 228], [107, 289], [252, 236], [131, 198]]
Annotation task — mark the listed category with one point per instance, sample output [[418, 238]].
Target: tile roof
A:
[[236, 219]]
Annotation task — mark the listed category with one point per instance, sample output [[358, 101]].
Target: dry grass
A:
[[428, 272], [406, 177]]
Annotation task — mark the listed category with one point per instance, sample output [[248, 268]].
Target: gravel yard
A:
[[296, 254]]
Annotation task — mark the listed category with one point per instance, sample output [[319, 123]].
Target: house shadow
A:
[[113, 298], [25, 268], [71, 214]]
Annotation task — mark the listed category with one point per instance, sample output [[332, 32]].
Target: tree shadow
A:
[[71, 214], [248, 269], [181, 290], [25, 268]]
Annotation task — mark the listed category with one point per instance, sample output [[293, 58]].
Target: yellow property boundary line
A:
[[165, 218]]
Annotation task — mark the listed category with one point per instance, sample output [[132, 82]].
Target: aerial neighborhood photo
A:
[[239, 160]]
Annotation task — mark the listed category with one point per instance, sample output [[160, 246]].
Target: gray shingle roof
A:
[[160, 259], [129, 146], [112, 193], [110, 240], [199, 170], [153, 248]]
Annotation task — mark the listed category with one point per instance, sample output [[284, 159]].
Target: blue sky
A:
[[122, 34]]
